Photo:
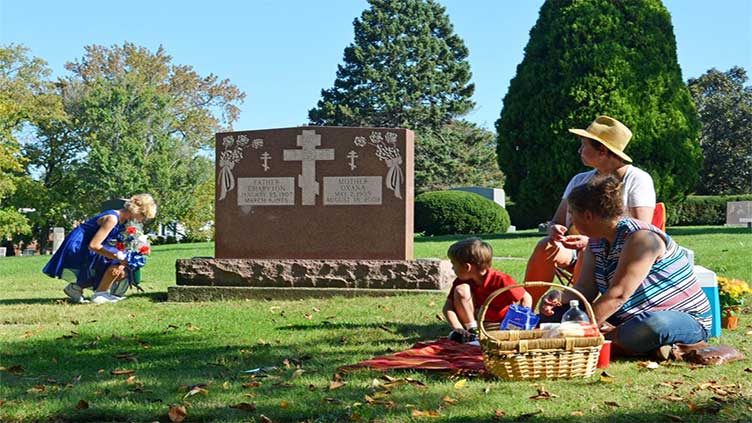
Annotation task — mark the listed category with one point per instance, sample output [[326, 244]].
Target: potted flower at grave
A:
[[133, 246], [731, 293]]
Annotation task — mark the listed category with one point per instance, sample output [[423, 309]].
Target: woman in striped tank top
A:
[[642, 287]]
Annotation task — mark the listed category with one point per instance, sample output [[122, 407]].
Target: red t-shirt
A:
[[492, 281]]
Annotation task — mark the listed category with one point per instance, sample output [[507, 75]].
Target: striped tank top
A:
[[670, 285]]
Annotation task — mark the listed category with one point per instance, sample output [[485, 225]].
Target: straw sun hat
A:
[[608, 131]]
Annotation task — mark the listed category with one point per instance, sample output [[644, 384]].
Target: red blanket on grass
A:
[[441, 354]]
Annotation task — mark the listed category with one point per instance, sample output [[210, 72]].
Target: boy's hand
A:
[[549, 301], [606, 328], [556, 231]]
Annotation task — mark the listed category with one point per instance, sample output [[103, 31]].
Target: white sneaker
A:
[[74, 292], [103, 297]]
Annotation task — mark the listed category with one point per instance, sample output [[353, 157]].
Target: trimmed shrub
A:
[[586, 58], [701, 210], [458, 212]]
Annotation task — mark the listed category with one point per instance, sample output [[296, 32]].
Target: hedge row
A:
[[458, 212], [701, 210]]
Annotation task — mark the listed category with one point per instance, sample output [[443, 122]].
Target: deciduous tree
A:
[[725, 106]]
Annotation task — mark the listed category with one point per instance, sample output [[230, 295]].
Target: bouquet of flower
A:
[[133, 247], [731, 293]]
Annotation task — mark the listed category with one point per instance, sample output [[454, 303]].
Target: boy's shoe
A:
[[464, 338], [103, 297], [74, 292]]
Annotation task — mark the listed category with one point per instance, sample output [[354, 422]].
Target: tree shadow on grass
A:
[[56, 374]]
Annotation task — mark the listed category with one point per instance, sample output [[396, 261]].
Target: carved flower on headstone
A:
[[360, 141]]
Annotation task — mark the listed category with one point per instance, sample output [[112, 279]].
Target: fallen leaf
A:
[[177, 413], [606, 378], [611, 403], [460, 384], [195, 390], [249, 395], [386, 329], [252, 384], [748, 370], [499, 413], [15, 369], [173, 327], [543, 394], [283, 385], [122, 372], [226, 385], [577, 413], [192, 328], [487, 389], [316, 309], [37, 389], [427, 413], [528, 415], [82, 405], [297, 373], [331, 400], [336, 385], [671, 397], [265, 419], [245, 406], [75, 322], [415, 382], [674, 418], [284, 404], [439, 317], [648, 364], [27, 334], [449, 400], [308, 316]]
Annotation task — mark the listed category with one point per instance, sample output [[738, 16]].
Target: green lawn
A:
[[58, 358]]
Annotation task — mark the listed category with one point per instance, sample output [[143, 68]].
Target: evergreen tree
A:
[[406, 68], [725, 106], [460, 154], [586, 58]]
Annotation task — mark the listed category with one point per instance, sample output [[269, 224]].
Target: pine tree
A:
[[406, 68], [586, 58]]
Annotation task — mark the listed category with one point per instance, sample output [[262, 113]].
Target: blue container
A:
[[519, 318], [709, 284]]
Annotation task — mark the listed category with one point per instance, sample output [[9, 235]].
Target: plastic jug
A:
[[574, 314]]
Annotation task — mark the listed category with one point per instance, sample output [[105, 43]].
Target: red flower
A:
[[144, 250], [131, 230], [120, 246]]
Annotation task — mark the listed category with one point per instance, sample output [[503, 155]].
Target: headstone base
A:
[[202, 279]]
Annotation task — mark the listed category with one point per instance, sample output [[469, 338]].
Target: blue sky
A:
[[281, 53]]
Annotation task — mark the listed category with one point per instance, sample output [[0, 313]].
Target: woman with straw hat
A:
[[602, 147]]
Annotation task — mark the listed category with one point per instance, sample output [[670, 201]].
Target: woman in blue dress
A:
[[85, 256]]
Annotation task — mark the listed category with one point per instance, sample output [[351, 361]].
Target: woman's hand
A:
[[575, 242], [118, 272], [606, 328], [549, 301]]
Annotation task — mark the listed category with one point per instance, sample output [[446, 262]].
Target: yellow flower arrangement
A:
[[731, 293]]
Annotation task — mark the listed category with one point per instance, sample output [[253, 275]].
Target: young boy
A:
[[476, 281]]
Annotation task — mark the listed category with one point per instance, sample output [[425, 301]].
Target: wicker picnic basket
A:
[[525, 354]]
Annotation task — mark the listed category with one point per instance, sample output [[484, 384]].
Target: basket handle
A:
[[487, 303]]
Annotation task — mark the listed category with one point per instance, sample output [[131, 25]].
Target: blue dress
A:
[[74, 262]]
